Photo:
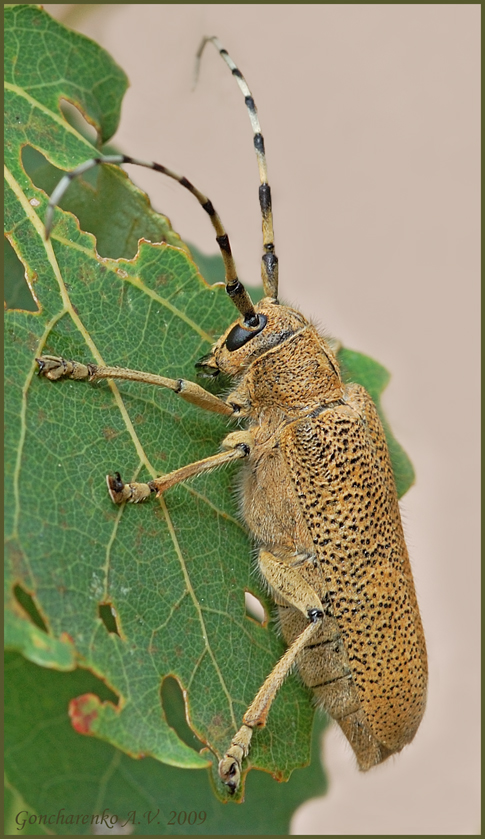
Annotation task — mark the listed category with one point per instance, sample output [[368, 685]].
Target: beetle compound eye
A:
[[239, 336]]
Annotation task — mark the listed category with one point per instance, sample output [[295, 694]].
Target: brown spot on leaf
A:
[[64, 636], [16, 559], [83, 711], [32, 342]]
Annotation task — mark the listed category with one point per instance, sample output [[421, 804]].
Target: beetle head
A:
[[241, 344]]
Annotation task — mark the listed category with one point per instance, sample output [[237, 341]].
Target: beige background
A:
[[371, 119]]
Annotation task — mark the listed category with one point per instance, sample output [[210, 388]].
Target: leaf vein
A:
[[198, 609]]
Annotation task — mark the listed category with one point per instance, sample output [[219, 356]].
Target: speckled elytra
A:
[[319, 500]]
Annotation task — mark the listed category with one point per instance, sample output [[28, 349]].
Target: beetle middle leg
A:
[[288, 583], [237, 445]]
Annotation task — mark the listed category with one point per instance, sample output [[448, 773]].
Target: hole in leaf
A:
[[96, 685], [16, 290], [84, 198], [78, 121], [46, 176], [255, 609], [173, 706], [104, 203], [26, 601], [107, 613]]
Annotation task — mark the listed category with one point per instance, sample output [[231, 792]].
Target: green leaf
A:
[[14, 811], [66, 65], [133, 594], [50, 767], [175, 573]]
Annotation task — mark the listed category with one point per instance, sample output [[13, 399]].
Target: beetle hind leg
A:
[[256, 715], [287, 583]]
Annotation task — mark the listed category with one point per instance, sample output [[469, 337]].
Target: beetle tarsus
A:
[[133, 493]]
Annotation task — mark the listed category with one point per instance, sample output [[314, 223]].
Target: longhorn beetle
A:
[[318, 497]]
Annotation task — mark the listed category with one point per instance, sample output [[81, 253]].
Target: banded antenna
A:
[[269, 262], [234, 286]]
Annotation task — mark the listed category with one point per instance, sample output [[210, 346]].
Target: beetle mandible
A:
[[318, 497]]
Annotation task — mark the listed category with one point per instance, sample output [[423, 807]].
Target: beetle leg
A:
[[237, 445], [53, 368], [255, 716], [289, 584], [286, 581]]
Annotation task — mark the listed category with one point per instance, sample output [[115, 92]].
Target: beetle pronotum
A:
[[318, 497]]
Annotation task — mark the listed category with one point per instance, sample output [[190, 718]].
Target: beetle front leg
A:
[[237, 445], [53, 367]]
